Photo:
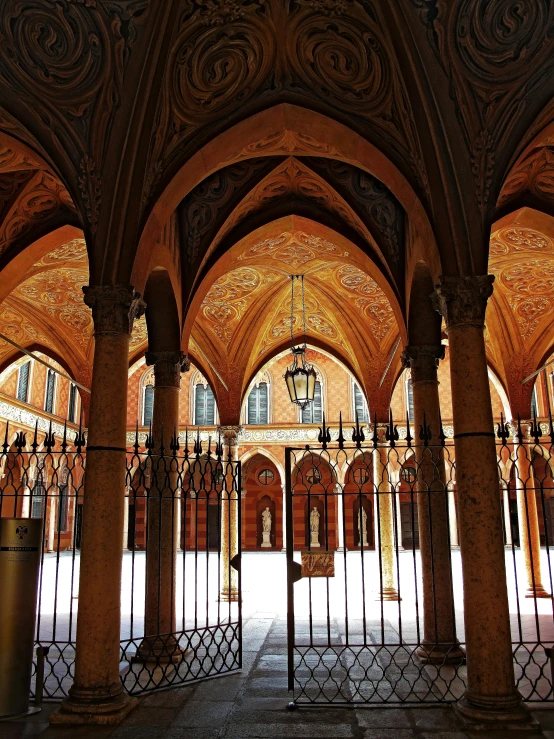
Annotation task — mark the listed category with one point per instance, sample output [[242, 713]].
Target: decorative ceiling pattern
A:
[[229, 297], [533, 175], [296, 249], [523, 262]]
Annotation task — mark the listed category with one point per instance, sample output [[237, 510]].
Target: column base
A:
[[388, 594], [229, 596], [442, 653], [107, 706], [537, 592], [159, 650], [498, 714]]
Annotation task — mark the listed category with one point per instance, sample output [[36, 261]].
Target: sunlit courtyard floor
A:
[[252, 702]]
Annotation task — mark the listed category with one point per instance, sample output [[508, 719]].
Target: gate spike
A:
[[198, 444], [174, 442], [49, 439], [20, 441], [503, 431], [149, 441], [186, 442], [136, 444], [425, 431], [340, 438], [64, 439], [6, 445], [34, 445], [358, 435], [219, 447], [79, 441], [375, 438], [519, 430], [391, 431], [535, 430], [209, 450], [442, 435], [324, 436], [409, 436]]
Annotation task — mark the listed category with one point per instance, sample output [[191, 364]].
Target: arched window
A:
[[23, 382], [258, 404], [204, 405], [313, 412], [410, 399], [148, 405], [360, 405], [50, 391], [39, 493], [72, 403]]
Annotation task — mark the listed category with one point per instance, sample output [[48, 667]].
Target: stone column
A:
[[230, 500], [159, 644], [96, 695], [529, 534], [439, 644], [50, 523], [394, 479], [125, 540], [491, 694], [384, 528], [453, 516], [340, 519]]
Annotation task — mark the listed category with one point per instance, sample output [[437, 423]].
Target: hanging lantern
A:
[[300, 376]]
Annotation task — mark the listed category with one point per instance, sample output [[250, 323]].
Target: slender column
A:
[[507, 514], [159, 644], [96, 695], [230, 500], [439, 644], [385, 527], [51, 523], [394, 478], [284, 498], [340, 521], [453, 518], [529, 534], [491, 694]]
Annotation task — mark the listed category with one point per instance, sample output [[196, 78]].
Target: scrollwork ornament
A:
[[114, 307], [463, 300]]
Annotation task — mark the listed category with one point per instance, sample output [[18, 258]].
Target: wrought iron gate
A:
[[170, 549], [373, 556]]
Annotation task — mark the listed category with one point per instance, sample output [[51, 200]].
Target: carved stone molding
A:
[[463, 300], [423, 361], [167, 367], [114, 307], [230, 434]]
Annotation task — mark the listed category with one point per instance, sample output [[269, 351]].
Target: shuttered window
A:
[[148, 406], [534, 404], [37, 500], [72, 408], [204, 406], [360, 405], [50, 387], [410, 399], [258, 410], [23, 382], [313, 412]]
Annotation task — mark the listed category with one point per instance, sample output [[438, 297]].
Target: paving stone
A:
[[151, 716], [21, 730], [274, 731], [435, 718], [204, 713], [170, 698], [388, 734], [447, 735], [383, 718], [139, 732]]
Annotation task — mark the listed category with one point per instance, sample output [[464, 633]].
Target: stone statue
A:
[[266, 528], [362, 527], [314, 528]]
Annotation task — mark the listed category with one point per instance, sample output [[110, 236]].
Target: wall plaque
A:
[[318, 564]]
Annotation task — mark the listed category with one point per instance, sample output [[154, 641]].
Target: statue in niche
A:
[[362, 527], [266, 527], [314, 528]]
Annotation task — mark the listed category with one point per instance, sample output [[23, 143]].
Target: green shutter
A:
[[360, 406], [263, 405], [50, 385], [210, 407], [148, 411], [253, 406], [23, 382], [410, 401], [317, 404]]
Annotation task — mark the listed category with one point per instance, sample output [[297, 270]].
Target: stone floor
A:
[[253, 704]]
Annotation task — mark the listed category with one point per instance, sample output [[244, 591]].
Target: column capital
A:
[[114, 307], [423, 361], [167, 367], [230, 434], [463, 300]]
